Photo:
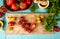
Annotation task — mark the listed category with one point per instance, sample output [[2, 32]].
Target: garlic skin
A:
[[43, 4], [36, 1]]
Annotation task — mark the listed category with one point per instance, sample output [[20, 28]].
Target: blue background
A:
[[56, 35]]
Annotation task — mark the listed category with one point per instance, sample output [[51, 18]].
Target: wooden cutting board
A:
[[17, 29]]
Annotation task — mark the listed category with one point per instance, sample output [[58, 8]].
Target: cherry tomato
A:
[[22, 18], [23, 22], [1, 14], [28, 30], [32, 26], [59, 28], [20, 22], [10, 2], [22, 26], [11, 23], [28, 2], [56, 28], [3, 9], [27, 25], [15, 6], [23, 5]]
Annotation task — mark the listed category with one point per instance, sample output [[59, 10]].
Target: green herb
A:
[[50, 22], [58, 19], [54, 6], [52, 19], [34, 8]]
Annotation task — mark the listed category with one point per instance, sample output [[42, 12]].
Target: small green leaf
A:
[[34, 8]]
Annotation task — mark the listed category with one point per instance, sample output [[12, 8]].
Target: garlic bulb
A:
[[43, 4]]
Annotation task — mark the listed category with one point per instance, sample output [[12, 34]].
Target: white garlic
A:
[[43, 4]]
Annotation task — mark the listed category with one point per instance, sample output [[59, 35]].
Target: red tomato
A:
[[1, 14], [22, 18], [59, 28], [20, 22], [27, 25], [56, 28], [23, 5], [28, 30], [22, 26], [28, 1], [24, 22], [11, 23], [3, 9], [32, 26], [10, 2], [15, 6]]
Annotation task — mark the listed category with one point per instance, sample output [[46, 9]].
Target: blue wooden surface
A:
[[56, 35]]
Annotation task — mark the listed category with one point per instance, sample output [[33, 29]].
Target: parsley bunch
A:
[[52, 19]]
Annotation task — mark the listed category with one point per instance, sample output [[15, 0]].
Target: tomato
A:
[[1, 14], [11, 23], [59, 28], [10, 2], [23, 5], [56, 28], [22, 18], [22, 26], [22, 22], [27, 25], [15, 6], [32, 26], [3, 9], [28, 2], [28, 30]]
